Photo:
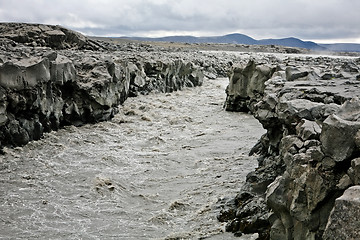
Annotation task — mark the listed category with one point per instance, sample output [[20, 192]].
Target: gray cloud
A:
[[306, 19]]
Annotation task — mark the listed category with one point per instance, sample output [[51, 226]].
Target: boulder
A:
[[293, 73], [344, 220], [246, 82], [350, 110], [308, 130], [338, 137]]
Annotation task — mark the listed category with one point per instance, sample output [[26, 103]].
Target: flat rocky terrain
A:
[[304, 184]]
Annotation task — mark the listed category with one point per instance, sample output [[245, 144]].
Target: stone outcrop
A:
[[309, 155], [43, 89], [39, 35], [345, 216]]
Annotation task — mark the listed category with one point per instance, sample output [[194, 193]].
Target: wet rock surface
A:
[[309, 154]]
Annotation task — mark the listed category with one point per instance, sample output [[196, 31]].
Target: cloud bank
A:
[[306, 19]]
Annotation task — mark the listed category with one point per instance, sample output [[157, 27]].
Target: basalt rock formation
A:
[[39, 35], [309, 156], [43, 88], [308, 159]]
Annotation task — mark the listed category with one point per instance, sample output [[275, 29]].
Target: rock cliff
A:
[[309, 156], [43, 88], [308, 159]]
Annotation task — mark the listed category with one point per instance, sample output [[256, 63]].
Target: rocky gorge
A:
[[309, 157], [305, 185], [43, 88]]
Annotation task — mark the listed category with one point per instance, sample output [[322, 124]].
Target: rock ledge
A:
[[51, 76], [309, 155]]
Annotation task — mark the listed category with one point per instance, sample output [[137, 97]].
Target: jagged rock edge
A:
[[44, 93], [294, 133]]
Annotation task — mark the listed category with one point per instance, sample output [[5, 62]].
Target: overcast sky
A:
[[319, 20]]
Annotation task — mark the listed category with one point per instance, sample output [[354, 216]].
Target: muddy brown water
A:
[[155, 171]]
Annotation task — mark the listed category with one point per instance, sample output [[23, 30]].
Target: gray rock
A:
[[350, 110], [295, 73], [277, 231], [26, 73], [290, 142], [338, 137], [328, 163], [62, 69], [357, 140], [312, 133], [276, 199], [355, 165], [344, 221], [210, 75], [308, 130], [246, 82], [42, 89], [344, 182]]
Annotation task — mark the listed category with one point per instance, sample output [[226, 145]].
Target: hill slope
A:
[[237, 38], [342, 47]]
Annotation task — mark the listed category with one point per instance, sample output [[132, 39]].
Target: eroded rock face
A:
[[309, 107], [246, 83], [42, 89], [309, 154]]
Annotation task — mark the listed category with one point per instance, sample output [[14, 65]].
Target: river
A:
[[155, 171]]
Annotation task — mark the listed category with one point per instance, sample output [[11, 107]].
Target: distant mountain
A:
[[342, 47], [237, 38], [292, 42], [182, 39]]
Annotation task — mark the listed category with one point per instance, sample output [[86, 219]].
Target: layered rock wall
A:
[[308, 156], [42, 89], [309, 107]]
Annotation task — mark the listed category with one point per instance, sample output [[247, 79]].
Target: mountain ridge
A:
[[342, 47], [238, 38]]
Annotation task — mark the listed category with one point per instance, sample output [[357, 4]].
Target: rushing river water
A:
[[155, 171]]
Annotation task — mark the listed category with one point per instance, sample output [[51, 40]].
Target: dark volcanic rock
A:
[[42, 89], [345, 216], [51, 76], [39, 35], [308, 156], [246, 83]]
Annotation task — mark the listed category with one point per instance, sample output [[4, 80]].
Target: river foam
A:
[[155, 171]]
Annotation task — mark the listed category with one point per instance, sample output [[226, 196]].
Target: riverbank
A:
[[155, 171], [52, 78]]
